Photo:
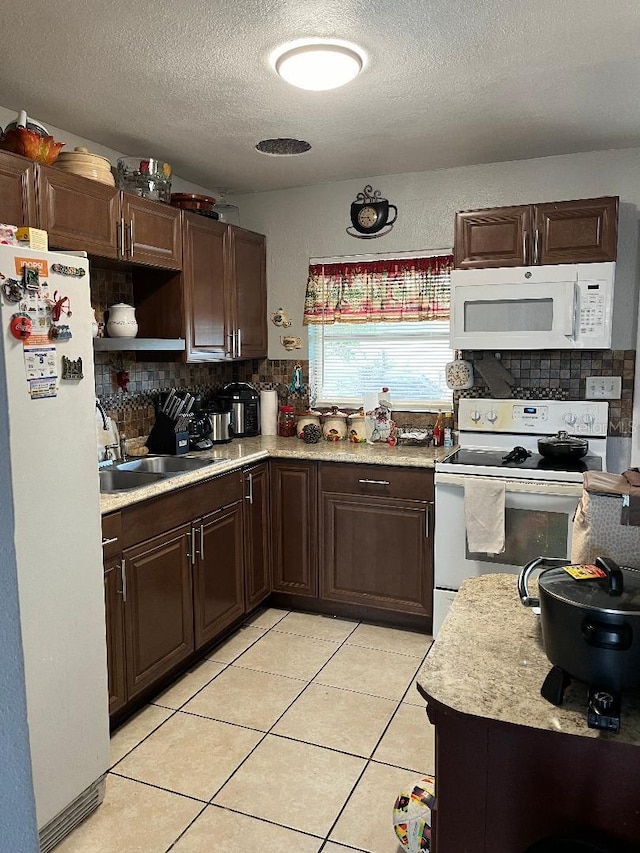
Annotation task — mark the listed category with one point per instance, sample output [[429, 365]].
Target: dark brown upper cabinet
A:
[[17, 190], [560, 232]]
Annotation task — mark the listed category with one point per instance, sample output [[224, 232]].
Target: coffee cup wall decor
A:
[[291, 342], [370, 215], [280, 318]]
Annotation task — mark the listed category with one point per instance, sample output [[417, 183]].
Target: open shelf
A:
[[134, 344]]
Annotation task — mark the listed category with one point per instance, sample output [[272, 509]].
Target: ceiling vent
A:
[[283, 147]]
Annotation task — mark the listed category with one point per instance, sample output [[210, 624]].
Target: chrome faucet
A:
[[105, 418]]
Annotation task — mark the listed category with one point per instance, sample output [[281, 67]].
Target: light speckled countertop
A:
[[245, 451], [488, 661]]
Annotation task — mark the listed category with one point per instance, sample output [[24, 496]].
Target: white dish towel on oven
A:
[[484, 514]]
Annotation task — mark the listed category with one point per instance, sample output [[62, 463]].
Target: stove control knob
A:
[[589, 418], [570, 419], [475, 416], [492, 416]]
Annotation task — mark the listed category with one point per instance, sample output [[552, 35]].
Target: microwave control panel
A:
[[594, 313]]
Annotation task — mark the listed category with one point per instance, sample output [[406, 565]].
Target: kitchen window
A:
[[379, 322]]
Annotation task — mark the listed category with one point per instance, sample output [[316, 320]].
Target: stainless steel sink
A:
[[114, 480], [167, 465]]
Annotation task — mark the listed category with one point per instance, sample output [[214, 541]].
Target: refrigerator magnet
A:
[[71, 368], [21, 326], [60, 332], [12, 289], [75, 272]]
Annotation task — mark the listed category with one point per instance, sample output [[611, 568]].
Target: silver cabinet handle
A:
[[525, 240], [376, 482], [427, 521], [121, 247], [239, 339], [123, 578], [132, 238], [249, 497], [202, 541], [231, 351], [109, 541], [536, 247], [194, 550]]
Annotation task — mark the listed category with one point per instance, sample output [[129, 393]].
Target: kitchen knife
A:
[[167, 403]]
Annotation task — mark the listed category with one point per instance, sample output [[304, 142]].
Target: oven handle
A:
[[540, 487]]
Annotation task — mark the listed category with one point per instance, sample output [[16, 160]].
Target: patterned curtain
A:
[[376, 291]]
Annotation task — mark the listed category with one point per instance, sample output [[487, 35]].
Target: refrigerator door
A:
[[56, 502]]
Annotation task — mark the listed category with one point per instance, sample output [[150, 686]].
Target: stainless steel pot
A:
[[563, 446], [221, 429], [590, 628]]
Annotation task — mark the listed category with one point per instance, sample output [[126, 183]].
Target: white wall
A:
[[311, 221], [71, 140]]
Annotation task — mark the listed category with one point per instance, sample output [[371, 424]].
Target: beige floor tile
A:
[[236, 644], [313, 625], [412, 696], [369, 671], [367, 821], [133, 818], [338, 719], [190, 755], [288, 654], [266, 618], [409, 741], [292, 783], [218, 830], [246, 697], [188, 685], [136, 729], [332, 847], [391, 640]]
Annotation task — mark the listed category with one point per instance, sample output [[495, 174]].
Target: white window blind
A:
[[349, 359]]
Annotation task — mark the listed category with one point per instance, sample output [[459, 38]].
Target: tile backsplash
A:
[[554, 374]]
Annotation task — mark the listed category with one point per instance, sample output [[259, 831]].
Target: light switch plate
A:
[[603, 387]]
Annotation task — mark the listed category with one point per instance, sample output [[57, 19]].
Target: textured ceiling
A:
[[445, 83]]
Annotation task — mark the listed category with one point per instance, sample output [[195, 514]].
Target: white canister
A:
[[357, 431], [334, 425], [122, 321], [306, 418]]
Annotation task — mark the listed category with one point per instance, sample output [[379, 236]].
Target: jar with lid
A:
[[286, 422], [306, 418], [357, 431], [334, 425]]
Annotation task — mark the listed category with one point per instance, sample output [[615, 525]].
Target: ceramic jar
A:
[[334, 425], [308, 417], [122, 321], [356, 430]]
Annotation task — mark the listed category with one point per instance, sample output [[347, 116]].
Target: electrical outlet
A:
[[603, 387]]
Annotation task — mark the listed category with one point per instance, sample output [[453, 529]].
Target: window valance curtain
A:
[[377, 291]]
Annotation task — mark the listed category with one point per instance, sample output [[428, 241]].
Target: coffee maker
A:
[[200, 428], [243, 401]]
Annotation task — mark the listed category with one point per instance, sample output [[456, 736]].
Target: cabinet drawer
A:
[[383, 480], [111, 535], [153, 517]]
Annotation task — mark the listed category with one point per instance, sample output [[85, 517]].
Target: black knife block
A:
[[168, 436]]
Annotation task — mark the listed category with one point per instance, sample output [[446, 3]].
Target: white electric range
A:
[[541, 495]]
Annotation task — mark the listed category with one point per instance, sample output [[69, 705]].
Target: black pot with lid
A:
[[590, 630], [563, 446]]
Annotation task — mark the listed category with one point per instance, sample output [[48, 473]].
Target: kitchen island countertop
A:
[[489, 662], [247, 451]]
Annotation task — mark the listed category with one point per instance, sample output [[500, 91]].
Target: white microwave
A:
[[560, 306]]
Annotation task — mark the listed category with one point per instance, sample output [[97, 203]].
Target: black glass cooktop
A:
[[494, 459]]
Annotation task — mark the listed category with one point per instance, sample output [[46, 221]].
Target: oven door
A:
[[538, 523]]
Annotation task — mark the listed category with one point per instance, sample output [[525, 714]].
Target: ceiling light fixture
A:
[[319, 66]]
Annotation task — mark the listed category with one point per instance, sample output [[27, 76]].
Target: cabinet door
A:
[[577, 231], [78, 213], [152, 232], [295, 525], [495, 237], [17, 190], [219, 566], [256, 537], [247, 250], [205, 288], [114, 610], [377, 551], [158, 607]]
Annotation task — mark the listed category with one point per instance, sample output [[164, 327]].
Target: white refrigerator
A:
[[47, 378]]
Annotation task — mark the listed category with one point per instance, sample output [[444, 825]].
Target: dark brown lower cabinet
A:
[[114, 613], [158, 607], [218, 572], [294, 516], [257, 541]]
